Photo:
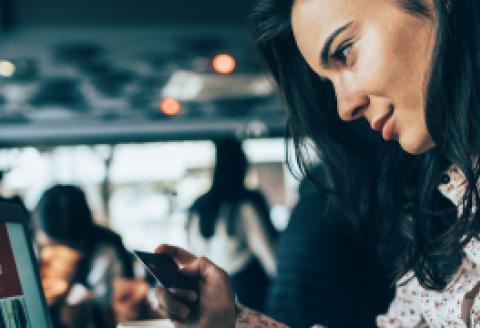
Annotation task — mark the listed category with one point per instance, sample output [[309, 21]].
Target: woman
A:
[[79, 259], [408, 70], [231, 225]]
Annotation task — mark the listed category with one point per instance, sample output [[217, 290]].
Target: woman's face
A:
[[378, 58]]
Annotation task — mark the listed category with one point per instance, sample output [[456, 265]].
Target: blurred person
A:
[[78, 259], [317, 256], [231, 225]]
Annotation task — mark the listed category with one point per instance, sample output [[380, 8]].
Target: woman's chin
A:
[[416, 145]]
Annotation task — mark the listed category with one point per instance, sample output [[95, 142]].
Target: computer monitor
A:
[[22, 303]]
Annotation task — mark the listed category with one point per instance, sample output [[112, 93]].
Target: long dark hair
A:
[[228, 187], [381, 190]]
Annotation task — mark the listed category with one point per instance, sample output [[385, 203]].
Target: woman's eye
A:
[[342, 52]]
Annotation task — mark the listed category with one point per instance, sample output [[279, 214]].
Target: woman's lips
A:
[[384, 125], [387, 130]]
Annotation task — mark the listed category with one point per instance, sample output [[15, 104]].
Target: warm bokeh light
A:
[[224, 63], [170, 106], [7, 68]]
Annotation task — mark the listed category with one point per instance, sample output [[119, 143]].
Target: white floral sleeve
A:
[[458, 304], [404, 311], [247, 318]]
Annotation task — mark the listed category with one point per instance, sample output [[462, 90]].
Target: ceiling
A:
[[96, 72], [125, 12]]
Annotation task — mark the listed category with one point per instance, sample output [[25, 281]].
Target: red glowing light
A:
[[224, 63], [170, 106]]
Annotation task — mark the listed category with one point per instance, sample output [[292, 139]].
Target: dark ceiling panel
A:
[[97, 71], [125, 12]]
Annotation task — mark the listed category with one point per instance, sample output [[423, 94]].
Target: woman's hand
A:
[[211, 306], [57, 268]]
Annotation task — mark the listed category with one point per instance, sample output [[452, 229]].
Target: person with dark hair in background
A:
[[316, 255], [79, 259], [231, 224]]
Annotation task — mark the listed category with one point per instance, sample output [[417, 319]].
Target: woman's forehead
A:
[[327, 12], [314, 21]]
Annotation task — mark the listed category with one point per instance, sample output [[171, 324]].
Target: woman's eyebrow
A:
[[325, 53]]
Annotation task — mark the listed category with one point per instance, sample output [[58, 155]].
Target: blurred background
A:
[[128, 101], [122, 99]]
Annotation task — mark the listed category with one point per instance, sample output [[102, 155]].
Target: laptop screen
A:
[[21, 301]]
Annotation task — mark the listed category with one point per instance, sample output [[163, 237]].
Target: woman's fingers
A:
[[184, 294], [171, 307], [190, 264], [214, 300], [202, 267], [180, 255]]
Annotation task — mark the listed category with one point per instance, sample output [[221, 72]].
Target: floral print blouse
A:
[[458, 305], [247, 318]]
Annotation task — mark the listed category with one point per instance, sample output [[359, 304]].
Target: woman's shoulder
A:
[[437, 308]]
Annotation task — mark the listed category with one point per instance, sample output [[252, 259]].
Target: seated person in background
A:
[[323, 272], [231, 225], [78, 259]]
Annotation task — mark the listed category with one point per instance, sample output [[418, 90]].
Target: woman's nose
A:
[[350, 102], [352, 107]]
